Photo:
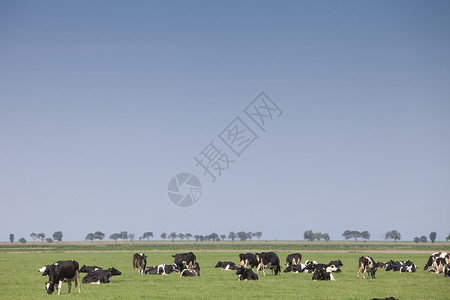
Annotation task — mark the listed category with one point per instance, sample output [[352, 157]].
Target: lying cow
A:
[[248, 259], [367, 264], [139, 262], [159, 270], [88, 269], [293, 269], [268, 260], [184, 260], [191, 271], [226, 265], [63, 271], [100, 276], [324, 273], [293, 259], [246, 274]]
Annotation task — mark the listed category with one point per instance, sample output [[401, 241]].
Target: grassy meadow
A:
[[19, 278]]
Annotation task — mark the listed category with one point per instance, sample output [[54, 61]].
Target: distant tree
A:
[[57, 236], [188, 236], [163, 236], [197, 237], [326, 237], [347, 235], [365, 235], [123, 235], [115, 236], [22, 240], [250, 235], [90, 237], [448, 237], [98, 235], [416, 240], [33, 236], [423, 239], [41, 236], [131, 236], [173, 236], [223, 237], [49, 240], [147, 235], [11, 237], [308, 235], [259, 235], [317, 236], [355, 234], [394, 235], [213, 237], [232, 236], [433, 236], [242, 236], [181, 236]]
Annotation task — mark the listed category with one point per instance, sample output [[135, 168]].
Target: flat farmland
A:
[[19, 278]]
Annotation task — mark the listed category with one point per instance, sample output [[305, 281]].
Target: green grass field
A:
[[19, 278]]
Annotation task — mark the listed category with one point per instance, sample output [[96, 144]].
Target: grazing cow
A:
[[184, 260], [159, 270], [246, 274], [248, 259], [89, 269], [430, 266], [191, 271], [268, 260], [293, 259], [293, 269], [100, 276], [324, 273], [226, 265], [63, 271], [140, 262], [367, 264]]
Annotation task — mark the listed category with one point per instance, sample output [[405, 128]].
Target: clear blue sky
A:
[[103, 102]]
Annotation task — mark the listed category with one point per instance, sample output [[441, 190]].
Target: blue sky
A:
[[103, 102]]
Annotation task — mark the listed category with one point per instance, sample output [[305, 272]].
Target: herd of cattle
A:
[[186, 265]]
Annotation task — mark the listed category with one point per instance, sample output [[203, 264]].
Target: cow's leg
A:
[[59, 287], [69, 285], [77, 281], [357, 274]]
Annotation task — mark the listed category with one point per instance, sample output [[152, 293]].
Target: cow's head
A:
[[83, 269], [241, 271], [429, 263], [50, 287], [288, 269], [333, 268], [218, 265], [114, 271]]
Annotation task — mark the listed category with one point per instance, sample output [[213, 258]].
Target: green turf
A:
[[19, 278]]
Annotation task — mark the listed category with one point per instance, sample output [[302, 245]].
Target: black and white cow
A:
[[268, 260], [63, 271], [309, 266], [162, 269], [248, 259], [88, 269], [293, 259], [294, 269], [140, 262], [191, 271], [401, 266], [184, 260], [100, 276], [246, 274], [324, 273], [367, 264], [431, 264], [226, 265]]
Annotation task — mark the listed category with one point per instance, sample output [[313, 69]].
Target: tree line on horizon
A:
[[242, 236]]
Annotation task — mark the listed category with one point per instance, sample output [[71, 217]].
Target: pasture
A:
[[19, 278]]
